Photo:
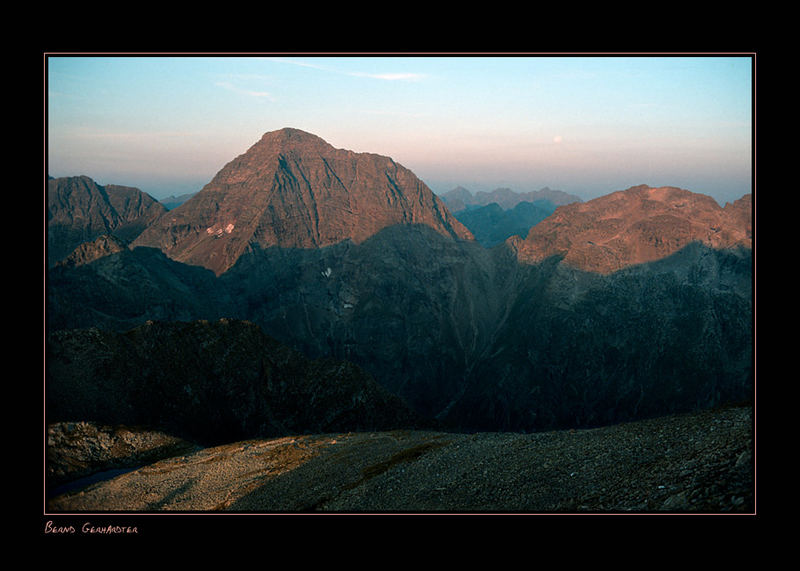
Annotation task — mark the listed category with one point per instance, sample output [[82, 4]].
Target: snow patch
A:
[[217, 231]]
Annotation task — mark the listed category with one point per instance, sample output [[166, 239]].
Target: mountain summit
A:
[[80, 210], [637, 225], [294, 190]]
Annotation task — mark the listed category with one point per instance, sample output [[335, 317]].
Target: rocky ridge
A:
[[638, 225], [80, 210], [88, 252], [78, 450]]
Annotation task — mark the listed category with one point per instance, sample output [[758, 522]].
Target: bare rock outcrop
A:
[[77, 450], [88, 252]]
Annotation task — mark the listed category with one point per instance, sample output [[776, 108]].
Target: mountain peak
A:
[[80, 210], [634, 226], [292, 189], [289, 137]]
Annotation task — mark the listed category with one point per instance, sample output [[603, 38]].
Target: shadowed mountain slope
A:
[[492, 224], [462, 333], [211, 382]]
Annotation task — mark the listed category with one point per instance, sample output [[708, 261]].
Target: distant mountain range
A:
[[460, 198], [171, 202], [635, 304], [492, 225]]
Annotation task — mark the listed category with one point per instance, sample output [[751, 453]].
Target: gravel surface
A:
[[698, 463]]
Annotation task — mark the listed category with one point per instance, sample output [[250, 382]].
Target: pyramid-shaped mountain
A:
[[294, 190]]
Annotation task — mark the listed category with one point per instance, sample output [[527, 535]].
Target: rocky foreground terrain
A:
[[697, 463]]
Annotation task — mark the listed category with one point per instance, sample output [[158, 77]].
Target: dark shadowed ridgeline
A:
[[492, 225], [463, 334], [210, 382]]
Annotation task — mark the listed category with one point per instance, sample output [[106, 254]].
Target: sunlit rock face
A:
[[294, 190], [80, 210], [634, 226]]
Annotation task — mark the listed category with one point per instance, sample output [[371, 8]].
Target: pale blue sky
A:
[[585, 125]]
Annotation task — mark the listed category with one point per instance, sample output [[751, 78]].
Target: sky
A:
[[587, 125]]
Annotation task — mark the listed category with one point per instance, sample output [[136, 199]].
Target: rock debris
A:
[[673, 464]]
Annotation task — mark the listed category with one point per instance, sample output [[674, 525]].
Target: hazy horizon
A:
[[584, 125]]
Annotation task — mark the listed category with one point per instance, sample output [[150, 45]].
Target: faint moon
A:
[[557, 139]]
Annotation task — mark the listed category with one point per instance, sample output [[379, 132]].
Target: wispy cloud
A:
[[249, 92]]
